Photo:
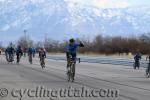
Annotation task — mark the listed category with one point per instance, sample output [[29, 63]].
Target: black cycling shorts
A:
[[71, 55]]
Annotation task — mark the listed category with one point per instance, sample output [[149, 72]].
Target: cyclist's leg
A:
[[11, 57], [30, 58], [44, 61], [138, 64], [134, 65], [68, 58], [41, 60], [17, 58], [6, 55]]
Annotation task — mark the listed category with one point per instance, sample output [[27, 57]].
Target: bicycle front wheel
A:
[[72, 72]]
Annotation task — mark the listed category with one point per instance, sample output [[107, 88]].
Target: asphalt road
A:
[[94, 81]]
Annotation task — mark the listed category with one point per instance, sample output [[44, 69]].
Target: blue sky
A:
[[139, 2], [102, 3]]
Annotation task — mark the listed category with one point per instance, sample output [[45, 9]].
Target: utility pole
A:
[[25, 42], [45, 37], [45, 41], [25, 34]]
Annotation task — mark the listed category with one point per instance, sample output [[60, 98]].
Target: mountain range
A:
[[60, 19]]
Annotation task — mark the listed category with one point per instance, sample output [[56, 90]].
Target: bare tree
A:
[[100, 44], [25, 41]]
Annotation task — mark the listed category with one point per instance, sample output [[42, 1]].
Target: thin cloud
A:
[[5, 28], [111, 3], [103, 3]]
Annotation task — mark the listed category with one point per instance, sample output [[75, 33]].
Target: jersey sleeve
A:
[[77, 44], [66, 48]]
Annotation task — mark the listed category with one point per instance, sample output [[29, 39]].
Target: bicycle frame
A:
[[71, 70], [10, 57], [18, 58], [30, 58]]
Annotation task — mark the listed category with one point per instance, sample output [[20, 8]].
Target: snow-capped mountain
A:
[[61, 19]]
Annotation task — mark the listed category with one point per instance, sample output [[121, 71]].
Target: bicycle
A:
[[10, 58], [30, 58], [71, 69], [18, 58], [42, 62], [148, 71], [136, 64]]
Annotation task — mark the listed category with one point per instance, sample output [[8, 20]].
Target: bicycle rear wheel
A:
[[18, 59], [30, 59], [42, 63]]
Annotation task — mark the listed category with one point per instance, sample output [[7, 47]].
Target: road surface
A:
[[94, 81]]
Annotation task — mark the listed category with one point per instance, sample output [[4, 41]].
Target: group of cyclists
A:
[[137, 59], [11, 51], [71, 55], [70, 49]]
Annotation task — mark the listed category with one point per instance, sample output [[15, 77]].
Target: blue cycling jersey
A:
[[137, 57], [72, 48], [19, 51], [30, 51], [10, 50]]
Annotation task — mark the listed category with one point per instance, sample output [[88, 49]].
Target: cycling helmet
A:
[[72, 40]]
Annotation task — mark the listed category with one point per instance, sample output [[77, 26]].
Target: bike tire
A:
[[72, 72], [69, 73], [68, 76]]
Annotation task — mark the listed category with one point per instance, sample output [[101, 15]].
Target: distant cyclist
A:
[[30, 54], [71, 51], [19, 53], [9, 52], [24, 51], [137, 59], [34, 52], [148, 67], [42, 56]]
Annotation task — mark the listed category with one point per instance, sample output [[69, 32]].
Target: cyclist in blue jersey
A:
[[71, 51], [148, 67], [19, 53], [34, 51], [30, 54], [137, 59], [9, 52]]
